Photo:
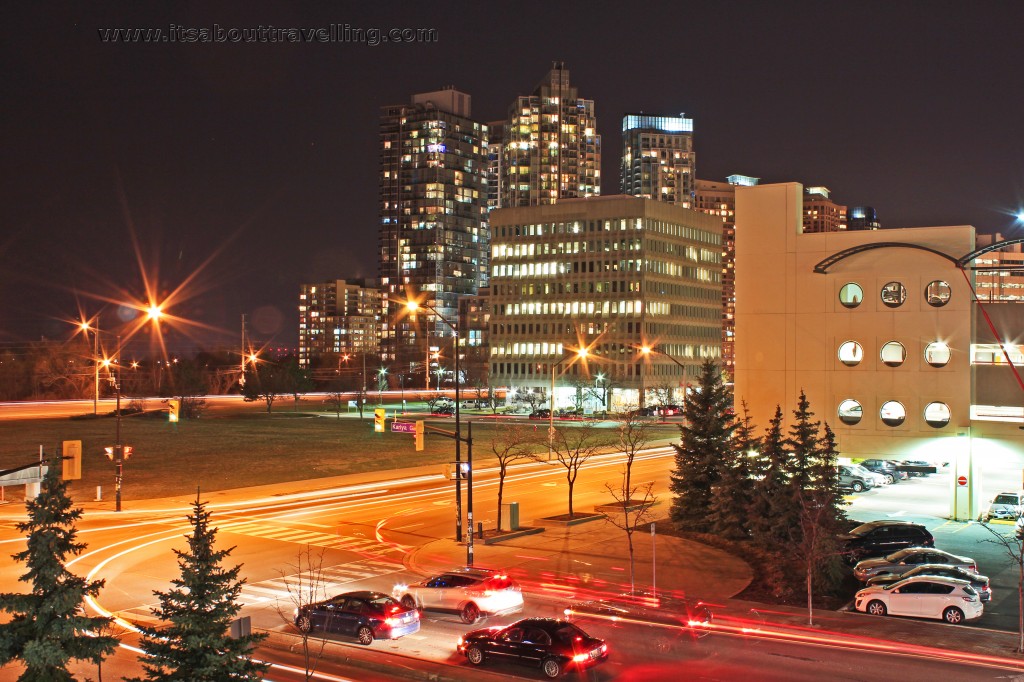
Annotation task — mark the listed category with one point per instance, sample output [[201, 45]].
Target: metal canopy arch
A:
[[822, 267], [964, 260]]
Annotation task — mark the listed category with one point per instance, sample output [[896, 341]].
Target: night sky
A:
[[244, 169]]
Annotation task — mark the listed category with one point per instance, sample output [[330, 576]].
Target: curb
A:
[[522, 532]]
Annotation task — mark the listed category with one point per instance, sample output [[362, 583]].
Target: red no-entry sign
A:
[[961, 481]]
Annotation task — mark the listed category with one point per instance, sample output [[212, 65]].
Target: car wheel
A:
[[475, 655], [365, 635], [890, 479], [953, 615], [470, 613], [857, 487], [551, 668], [408, 602], [876, 608], [304, 624]]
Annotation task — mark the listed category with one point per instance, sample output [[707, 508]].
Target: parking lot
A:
[[925, 500]]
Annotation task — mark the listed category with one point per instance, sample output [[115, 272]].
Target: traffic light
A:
[[378, 419], [109, 451], [126, 451], [72, 452], [173, 406], [419, 436]]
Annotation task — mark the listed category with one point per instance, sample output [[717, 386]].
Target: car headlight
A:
[[400, 587]]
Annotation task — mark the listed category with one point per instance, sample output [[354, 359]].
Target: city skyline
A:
[[255, 164]]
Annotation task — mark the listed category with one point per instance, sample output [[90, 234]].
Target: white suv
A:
[[470, 592], [924, 596]]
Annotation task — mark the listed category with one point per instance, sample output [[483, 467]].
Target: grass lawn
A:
[[236, 447]]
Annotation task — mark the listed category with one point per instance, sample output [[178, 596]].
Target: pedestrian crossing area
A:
[[311, 586], [313, 538], [287, 591]]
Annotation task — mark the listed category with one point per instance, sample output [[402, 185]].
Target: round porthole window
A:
[[894, 294], [851, 295], [893, 413], [850, 353], [936, 415], [937, 293], [850, 412], [893, 354], [936, 354]]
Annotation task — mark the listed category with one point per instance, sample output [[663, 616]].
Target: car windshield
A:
[[1005, 499], [863, 529]]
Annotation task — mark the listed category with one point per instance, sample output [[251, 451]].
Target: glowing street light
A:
[[646, 351], [578, 354], [412, 306]]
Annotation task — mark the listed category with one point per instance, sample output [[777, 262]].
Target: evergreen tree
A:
[[704, 445], [733, 496], [802, 445], [196, 645], [770, 471], [48, 627]]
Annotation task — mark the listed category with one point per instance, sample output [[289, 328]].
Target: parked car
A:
[[852, 480], [878, 538], [900, 561], [469, 592], [885, 468], [555, 646], [924, 596], [670, 410], [979, 582], [918, 467], [541, 414], [365, 615], [1008, 505], [877, 480], [666, 621]]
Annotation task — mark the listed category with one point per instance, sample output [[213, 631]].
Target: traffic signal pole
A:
[[468, 440]]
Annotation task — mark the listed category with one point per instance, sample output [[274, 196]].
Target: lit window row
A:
[[893, 413], [894, 294], [893, 353]]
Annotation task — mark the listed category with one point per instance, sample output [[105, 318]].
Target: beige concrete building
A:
[[879, 328], [611, 274]]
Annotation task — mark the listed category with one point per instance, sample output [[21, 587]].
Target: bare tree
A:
[[335, 401], [572, 448], [634, 434], [1013, 546], [511, 442], [306, 587], [634, 505]]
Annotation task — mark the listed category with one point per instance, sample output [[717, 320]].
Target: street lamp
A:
[[578, 354], [381, 373], [84, 326], [412, 307], [646, 351]]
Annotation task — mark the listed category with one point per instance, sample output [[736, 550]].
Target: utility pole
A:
[[241, 381], [118, 447]]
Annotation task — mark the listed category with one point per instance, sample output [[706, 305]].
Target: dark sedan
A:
[[979, 582], [540, 414], [363, 615], [555, 646]]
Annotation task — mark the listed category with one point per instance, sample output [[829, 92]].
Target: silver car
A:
[[469, 592], [906, 559]]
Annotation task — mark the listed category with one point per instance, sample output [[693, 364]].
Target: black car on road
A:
[[555, 646], [364, 615], [878, 538]]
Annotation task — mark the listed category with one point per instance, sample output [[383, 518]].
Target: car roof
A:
[[922, 569], [877, 524], [934, 579], [362, 594]]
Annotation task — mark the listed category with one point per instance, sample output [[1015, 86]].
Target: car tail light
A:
[[969, 599], [579, 658], [392, 622], [974, 568]]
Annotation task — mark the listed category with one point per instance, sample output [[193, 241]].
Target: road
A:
[[367, 533]]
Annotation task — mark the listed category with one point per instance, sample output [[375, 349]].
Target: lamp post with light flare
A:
[[412, 307], [578, 354], [646, 351]]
